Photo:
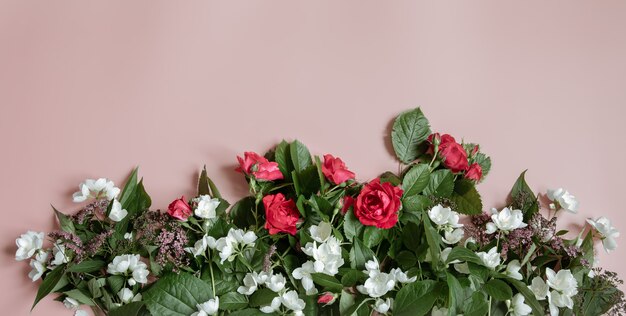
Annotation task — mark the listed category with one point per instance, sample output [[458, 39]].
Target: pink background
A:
[[91, 89]]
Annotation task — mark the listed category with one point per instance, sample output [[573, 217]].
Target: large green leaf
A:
[[415, 299], [351, 225], [441, 183], [130, 309], [50, 282], [326, 281], [432, 238], [129, 188], [206, 185], [476, 305], [463, 254], [87, 266], [524, 198], [242, 212], [283, 158], [176, 295], [415, 180], [300, 156], [409, 131], [65, 222], [498, 289], [233, 301], [466, 198], [455, 294], [372, 236], [359, 254], [484, 162]]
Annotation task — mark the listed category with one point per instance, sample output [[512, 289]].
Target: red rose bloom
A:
[[444, 141], [347, 201], [259, 167], [281, 215], [475, 172], [179, 209], [326, 298], [335, 170], [378, 204], [454, 157]]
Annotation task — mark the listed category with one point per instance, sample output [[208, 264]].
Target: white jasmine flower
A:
[[126, 295], [439, 214], [200, 246], [454, 236], [209, 307], [38, 265], [321, 232], [273, 307], [490, 259], [378, 283], [206, 206], [539, 288], [517, 306], [58, 253], [444, 255], [565, 199], [491, 228], [70, 303], [125, 264], [401, 276], [439, 311], [304, 274], [128, 236], [117, 213], [97, 189], [608, 232], [512, 270], [291, 300], [453, 220], [276, 282], [252, 281], [563, 282], [81, 312], [383, 306], [327, 255], [28, 244], [508, 220], [233, 243]]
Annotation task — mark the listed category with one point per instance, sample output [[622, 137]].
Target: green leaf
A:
[[129, 188], [409, 130], [79, 296], [406, 259], [372, 236], [432, 238], [262, 297], [300, 156], [463, 254], [416, 180], [233, 301], [498, 289], [455, 294], [242, 212], [415, 203], [203, 183], [329, 282], [524, 198], [529, 297], [130, 309], [49, 283], [411, 236], [351, 225], [308, 181], [176, 294], [116, 282], [360, 254], [415, 299], [250, 312], [65, 222], [476, 305], [351, 278], [283, 158], [390, 177], [87, 266], [466, 198], [441, 183]]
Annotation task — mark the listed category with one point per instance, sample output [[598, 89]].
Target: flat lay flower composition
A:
[[312, 240]]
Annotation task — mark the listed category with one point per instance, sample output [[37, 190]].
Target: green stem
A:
[[212, 278]]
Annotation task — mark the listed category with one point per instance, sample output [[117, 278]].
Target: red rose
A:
[[454, 157], [347, 202], [259, 167], [326, 298], [281, 215], [179, 209], [335, 170], [475, 172], [444, 140], [378, 204]]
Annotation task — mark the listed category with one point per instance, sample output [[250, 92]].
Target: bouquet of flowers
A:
[[312, 240]]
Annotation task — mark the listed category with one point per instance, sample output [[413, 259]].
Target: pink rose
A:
[[179, 209], [475, 172], [378, 204], [281, 215], [335, 170], [259, 167]]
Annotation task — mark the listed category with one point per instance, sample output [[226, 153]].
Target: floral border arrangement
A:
[[312, 240]]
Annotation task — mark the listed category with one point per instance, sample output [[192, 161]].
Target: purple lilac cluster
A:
[[171, 245], [96, 208], [70, 242], [95, 244]]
